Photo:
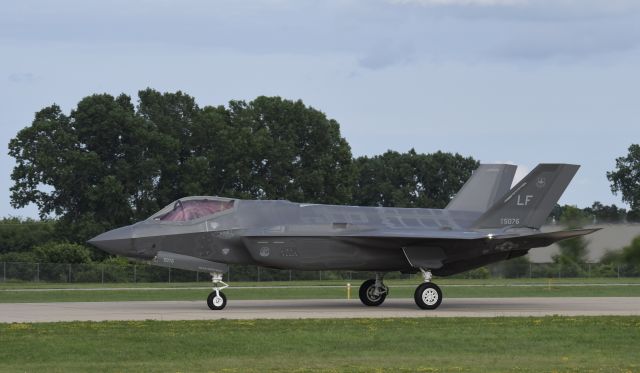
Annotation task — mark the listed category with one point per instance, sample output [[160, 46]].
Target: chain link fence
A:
[[134, 273]]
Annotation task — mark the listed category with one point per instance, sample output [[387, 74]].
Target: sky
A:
[[517, 81]]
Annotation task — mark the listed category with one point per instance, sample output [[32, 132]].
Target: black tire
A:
[[219, 306], [428, 296], [366, 294]]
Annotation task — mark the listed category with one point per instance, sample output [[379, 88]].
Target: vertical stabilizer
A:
[[487, 183], [529, 203]]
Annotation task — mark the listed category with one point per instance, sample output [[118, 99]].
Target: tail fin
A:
[[529, 203], [487, 183]]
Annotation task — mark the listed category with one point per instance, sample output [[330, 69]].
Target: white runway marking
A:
[[315, 308]]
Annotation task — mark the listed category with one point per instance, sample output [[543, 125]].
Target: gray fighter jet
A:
[[485, 223]]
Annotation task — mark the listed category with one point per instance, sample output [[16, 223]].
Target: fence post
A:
[[102, 273], [197, 275], [169, 274], [37, 272], [530, 276], [69, 273], [258, 274], [229, 274], [618, 270], [320, 273], [289, 275]]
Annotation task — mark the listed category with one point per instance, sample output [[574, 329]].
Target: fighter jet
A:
[[486, 222]]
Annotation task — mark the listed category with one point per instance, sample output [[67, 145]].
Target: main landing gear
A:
[[373, 292], [217, 300], [428, 295]]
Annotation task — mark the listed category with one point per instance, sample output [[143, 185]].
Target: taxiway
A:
[[314, 308]]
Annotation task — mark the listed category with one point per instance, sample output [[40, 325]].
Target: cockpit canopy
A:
[[191, 208]]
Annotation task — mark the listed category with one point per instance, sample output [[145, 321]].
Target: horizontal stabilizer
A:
[[529, 241], [563, 235]]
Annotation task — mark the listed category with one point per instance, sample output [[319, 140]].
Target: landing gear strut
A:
[[373, 292], [428, 295], [217, 300]]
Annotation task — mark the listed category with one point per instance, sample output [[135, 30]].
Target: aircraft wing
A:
[[415, 236], [433, 249]]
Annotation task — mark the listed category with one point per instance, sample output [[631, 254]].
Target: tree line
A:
[[110, 162]]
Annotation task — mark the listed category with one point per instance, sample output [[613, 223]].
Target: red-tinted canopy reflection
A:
[[194, 209]]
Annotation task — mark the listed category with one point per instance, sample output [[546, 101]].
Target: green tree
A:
[[611, 257], [631, 253], [633, 216], [63, 253], [108, 164], [573, 252], [512, 268], [218, 156], [410, 179], [172, 116], [556, 213], [92, 168], [625, 179], [19, 257], [628, 257], [21, 235], [605, 213], [289, 151]]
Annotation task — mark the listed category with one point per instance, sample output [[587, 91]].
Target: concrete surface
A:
[[315, 308]]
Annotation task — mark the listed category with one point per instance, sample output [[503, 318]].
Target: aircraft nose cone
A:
[[117, 241]]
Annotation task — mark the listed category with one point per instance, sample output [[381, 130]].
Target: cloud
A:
[[461, 2], [374, 34], [22, 77], [388, 54], [571, 41], [525, 10]]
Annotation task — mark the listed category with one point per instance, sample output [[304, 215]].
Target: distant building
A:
[[611, 237]]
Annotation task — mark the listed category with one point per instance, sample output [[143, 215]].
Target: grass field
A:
[[576, 344], [39, 292]]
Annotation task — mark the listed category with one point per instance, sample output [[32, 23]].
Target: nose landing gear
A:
[[216, 299]]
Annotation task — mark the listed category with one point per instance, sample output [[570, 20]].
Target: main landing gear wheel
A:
[[428, 296], [216, 300], [373, 292]]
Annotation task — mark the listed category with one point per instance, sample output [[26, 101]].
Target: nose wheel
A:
[[216, 299], [428, 295]]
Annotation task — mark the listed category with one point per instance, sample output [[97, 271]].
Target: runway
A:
[[314, 308]]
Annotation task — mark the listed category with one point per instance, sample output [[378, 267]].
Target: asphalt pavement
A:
[[314, 308]]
